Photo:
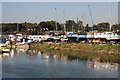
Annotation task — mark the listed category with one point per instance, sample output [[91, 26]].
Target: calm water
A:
[[33, 64]]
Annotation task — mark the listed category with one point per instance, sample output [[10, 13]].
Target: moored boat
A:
[[4, 48], [107, 37]]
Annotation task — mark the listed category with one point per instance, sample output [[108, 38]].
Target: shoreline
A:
[[101, 52], [18, 46]]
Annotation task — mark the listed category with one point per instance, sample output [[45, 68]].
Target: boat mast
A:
[[56, 17], [82, 23], [91, 17], [72, 26], [110, 15], [17, 27], [64, 21], [84, 20], [77, 25]]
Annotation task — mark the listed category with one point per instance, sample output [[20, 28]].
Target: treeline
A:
[[71, 25]]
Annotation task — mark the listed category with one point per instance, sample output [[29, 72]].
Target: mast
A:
[[64, 21], [72, 26], [82, 23], [84, 20], [17, 25], [91, 17], [110, 15], [77, 25], [56, 17]]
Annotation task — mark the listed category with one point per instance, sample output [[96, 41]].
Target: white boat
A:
[[11, 37], [36, 37], [113, 36], [22, 43], [19, 36], [90, 35], [4, 48], [107, 36], [101, 35], [7, 42], [6, 54]]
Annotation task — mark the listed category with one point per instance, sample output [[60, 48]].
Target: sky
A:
[[36, 12]]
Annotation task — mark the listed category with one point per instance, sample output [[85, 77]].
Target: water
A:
[[33, 64]]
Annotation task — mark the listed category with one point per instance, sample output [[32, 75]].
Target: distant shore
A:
[[101, 52]]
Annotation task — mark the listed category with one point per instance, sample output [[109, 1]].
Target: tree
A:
[[48, 24], [104, 26], [80, 25], [87, 26], [9, 27], [94, 27], [115, 27], [70, 25]]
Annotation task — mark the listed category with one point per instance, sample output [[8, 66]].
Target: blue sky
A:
[[36, 12]]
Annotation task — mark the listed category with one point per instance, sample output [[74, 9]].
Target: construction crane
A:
[[91, 17]]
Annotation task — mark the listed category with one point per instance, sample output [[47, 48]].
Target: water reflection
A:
[[90, 63], [101, 65], [49, 61]]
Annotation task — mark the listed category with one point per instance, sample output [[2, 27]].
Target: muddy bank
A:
[[101, 52], [18, 46]]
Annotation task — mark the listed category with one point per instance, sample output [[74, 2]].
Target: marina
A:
[[105, 37], [59, 40]]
